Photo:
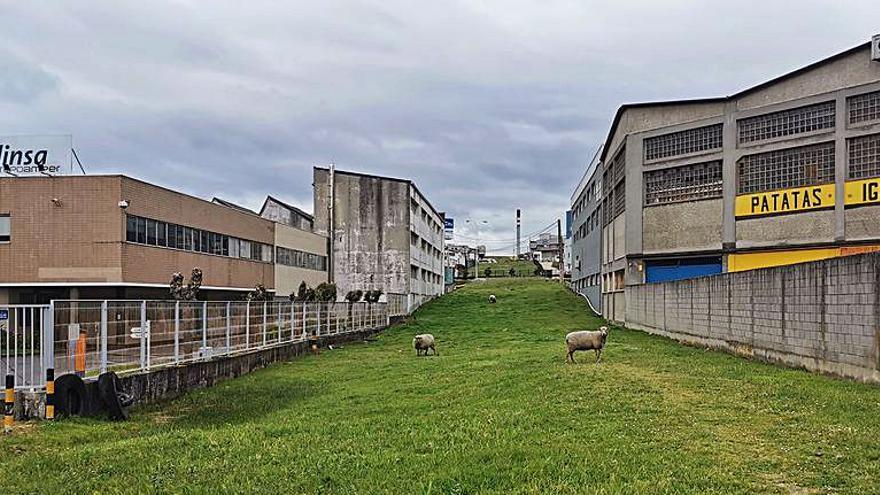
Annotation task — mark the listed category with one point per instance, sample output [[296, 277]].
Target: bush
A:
[[373, 296], [354, 296], [325, 292]]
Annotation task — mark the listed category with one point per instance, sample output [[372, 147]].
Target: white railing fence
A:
[[89, 337]]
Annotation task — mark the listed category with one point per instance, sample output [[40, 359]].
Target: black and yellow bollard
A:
[[8, 403], [50, 394]]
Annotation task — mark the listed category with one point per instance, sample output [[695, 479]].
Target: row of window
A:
[[300, 259], [786, 122], [162, 234], [687, 183], [808, 118], [684, 142], [591, 224], [779, 169]]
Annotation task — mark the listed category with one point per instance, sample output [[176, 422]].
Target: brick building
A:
[[118, 237]]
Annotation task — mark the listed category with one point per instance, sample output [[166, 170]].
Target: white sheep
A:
[[492, 299], [424, 342], [585, 340]]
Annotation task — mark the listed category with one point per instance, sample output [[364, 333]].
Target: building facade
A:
[[783, 172], [384, 234], [586, 238], [115, 237]]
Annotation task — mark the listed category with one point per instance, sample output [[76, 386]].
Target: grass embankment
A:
[[503, 264], [497, 412]]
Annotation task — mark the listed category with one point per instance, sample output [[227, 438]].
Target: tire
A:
[[109, 389], [70, 395]]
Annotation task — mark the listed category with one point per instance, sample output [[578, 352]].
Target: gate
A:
[[21, 343]]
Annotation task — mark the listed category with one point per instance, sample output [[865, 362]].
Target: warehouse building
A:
[[586, 244], [117, 237], [784, 172], [385, 235]]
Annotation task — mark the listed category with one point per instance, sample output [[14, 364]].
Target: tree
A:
[[487, 272], [354, 296]]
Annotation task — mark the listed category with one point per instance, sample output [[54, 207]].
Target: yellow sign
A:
[[785, 201], [862, 192], [738, 262]]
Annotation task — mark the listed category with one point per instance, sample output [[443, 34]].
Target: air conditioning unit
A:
[[875, 48]]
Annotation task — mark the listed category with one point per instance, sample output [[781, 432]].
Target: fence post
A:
[[228, 327], [278, 319], [143, 338], [319, 319], [247, 326], [103, 336], [264, 323], [204, 328], [176, 332], [329, 315], [305, 330], [48, 338], [292, 314]]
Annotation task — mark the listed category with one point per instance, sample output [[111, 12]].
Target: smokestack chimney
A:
[[517, 231]]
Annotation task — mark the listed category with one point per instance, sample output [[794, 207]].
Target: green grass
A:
[[504, 263], [497, 412]]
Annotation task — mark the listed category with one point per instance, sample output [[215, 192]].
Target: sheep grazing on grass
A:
[[586, 340], [424, 342], [492, 299]]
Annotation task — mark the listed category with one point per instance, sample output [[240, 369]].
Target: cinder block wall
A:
[[823, 316]]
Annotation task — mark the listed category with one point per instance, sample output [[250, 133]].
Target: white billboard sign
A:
[[32, 155]]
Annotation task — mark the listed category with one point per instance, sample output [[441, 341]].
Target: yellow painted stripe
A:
[[50, 412], [785, 201], [50, 387], [10, 395], [862, 192], [766, 259]]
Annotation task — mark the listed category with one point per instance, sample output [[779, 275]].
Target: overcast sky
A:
[[486, 105]]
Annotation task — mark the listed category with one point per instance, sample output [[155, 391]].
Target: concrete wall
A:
[[798, 228], [371, 239], [821, 316], [862, 222], [690, 226], [288, 278]]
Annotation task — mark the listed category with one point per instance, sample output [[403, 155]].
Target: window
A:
[[155, 233], [142, 230], [683, 142], [864, 108], [783, 169], [687, 183], [131, 229], [299, 259], [5, 227], [161, 234], [864, 157], [787, 122]]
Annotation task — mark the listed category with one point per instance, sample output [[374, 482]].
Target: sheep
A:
[[424, 342], [585, 340], [492, 299]]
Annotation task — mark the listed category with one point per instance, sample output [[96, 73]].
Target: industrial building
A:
[[783, 172], [117, 237], [384, 234]]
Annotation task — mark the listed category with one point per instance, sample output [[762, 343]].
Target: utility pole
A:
[[517, 231], [331, 221], [560, 248]]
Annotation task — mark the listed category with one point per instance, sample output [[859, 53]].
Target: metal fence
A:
[[21, 343], [90, 337]]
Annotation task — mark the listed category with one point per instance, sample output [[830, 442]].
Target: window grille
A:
[[864, 157], [619, 199], [864, 108], [787, 122], [618, 167], [792, 167], [684, 142], [687, 183]]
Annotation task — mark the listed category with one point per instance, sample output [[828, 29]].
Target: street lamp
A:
[[476, 224]]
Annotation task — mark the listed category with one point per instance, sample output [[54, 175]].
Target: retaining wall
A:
[[822, 316], [172, 381]]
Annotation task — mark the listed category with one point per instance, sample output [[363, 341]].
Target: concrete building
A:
[[384, 234], [586, 244], [118, 237], [545, 248], [783, 172]]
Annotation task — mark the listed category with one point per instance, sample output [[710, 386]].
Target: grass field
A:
[[504, 263], [497, 411]]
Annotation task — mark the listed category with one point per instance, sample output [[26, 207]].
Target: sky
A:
[[488, 106]]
